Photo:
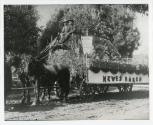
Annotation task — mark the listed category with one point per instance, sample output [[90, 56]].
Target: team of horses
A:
[[40, 74], [46, 75]]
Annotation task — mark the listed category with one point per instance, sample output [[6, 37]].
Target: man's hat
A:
[[66, 20], [70, 20]]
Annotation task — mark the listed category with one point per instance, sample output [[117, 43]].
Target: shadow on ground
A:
[[76, 99], [45, 106], [111, 95]]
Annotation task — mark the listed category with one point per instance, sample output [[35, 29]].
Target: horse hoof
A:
[[63, 100], [41, 99], [48, 99], [33, 104], [28, 101], [23, 101]]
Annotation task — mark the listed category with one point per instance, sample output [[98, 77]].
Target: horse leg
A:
[[23, 97], [66, 90], [66, 94], [43, 94], [55, 88], [62, 94], [36, 93], [28, 97], [34, 102], [34, 90], [28, 91], [49, 91]]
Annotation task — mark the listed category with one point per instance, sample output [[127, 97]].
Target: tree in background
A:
[[20, 29], [52, 29], [108, 23], [140, 8]]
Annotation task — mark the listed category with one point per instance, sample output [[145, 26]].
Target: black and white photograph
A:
[[67, 62]]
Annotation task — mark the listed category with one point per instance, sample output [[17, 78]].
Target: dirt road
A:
[[111, 106]]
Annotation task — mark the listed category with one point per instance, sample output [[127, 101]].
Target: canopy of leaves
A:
[[140, 8], [20, 29], [52, 29], [111, 26], [109, 23]]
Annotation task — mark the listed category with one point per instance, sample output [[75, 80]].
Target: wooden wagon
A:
[[101, 74]]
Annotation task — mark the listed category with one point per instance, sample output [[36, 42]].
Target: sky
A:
[[45, 12], [141, 22]]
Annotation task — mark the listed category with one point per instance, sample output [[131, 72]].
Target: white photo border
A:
[[75, 122]]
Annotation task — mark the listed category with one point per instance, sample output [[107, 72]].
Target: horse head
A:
[[34, 67], [15, 61]]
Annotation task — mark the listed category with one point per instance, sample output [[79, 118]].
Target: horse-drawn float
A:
[[97, 74], [101, 74]]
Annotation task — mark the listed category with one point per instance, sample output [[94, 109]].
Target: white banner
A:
[[87, 44], [109, 78]]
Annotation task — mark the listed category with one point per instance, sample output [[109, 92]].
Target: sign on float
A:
[[108, 77]]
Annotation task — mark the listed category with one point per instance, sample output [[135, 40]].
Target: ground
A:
[[110, 106]]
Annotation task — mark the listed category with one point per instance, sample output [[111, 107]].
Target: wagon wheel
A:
[[83, 89], [128, 88], [131, 87], [125, 88], [104, 88], [120, 88], [92, 90], [98, 89], [89, 90]]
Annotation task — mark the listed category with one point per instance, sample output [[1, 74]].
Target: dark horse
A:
[[46, 75]]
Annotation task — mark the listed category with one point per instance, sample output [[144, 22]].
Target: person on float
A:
[[67, 31], [65, 34]]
